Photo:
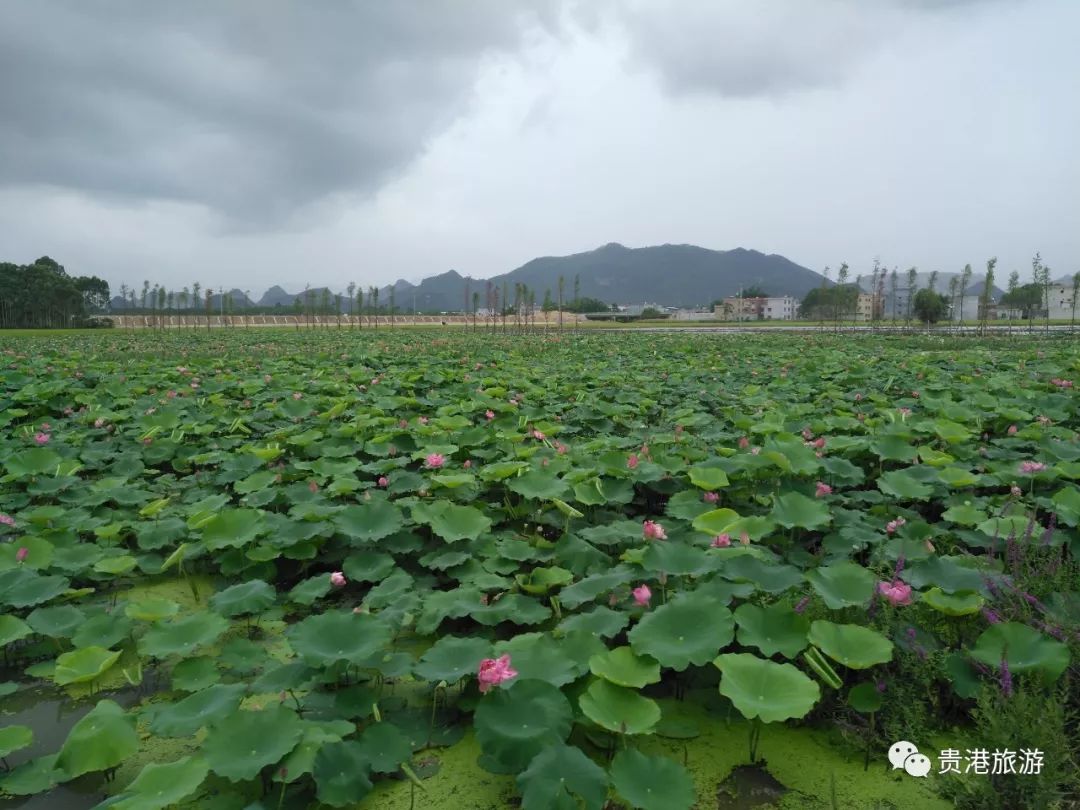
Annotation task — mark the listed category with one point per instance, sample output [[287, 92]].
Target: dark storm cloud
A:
[[251, 108], [739, 49]]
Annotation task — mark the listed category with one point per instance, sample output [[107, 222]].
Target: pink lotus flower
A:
[[21, 554], [267, 378], [423, 420], [755, 450], [904, 412], [468, 464], [337, 580], [632, 461], [721, 541], [1015, 491], [1060, 383], [819, 442], [194, 385], [653, 530], [744, 443], [894, 524], [489, 415], [6, 520], [494, 671], [99, 422], [403, 424], [297, 395], [46, 426], [1031, 467], [915, 394], [435, 460], [895, 592], [711, 497], [536, 434], [41, 438], [642, 595], [807, 434], [822, 490], [858, 397], [561, 449], [383, 481], [1012, 430]]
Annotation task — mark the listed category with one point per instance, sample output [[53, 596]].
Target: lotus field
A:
[[405, 569]]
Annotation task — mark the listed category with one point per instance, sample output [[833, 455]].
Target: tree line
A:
[[42, 295]]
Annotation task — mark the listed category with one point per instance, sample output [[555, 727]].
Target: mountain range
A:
[[667, 275]]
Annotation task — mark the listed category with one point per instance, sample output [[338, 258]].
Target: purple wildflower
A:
[[991, 615], [1005, 678], [801, 606]]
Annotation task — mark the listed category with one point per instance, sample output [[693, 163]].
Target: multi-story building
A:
[[779, 308]]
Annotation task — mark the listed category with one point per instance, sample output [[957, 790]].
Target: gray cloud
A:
[[774, 47], [250, 108]]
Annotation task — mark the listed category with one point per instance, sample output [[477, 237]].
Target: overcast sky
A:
[[272, 142]]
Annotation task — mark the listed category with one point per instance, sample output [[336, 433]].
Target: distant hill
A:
[[672, 275], [668, 275]]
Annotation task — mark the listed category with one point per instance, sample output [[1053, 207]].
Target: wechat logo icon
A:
[[905, 755]]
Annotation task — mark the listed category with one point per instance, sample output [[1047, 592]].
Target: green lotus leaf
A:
[[902, 485], [964, 514], [1067, 505], [203, 708], [853, 646], [35, 461], [183, 636], [541, 486], [865, 698], [708, 478], [368, 565], [793, 509], [36, 776], [102, 739], [539, 656], [962, 603], [454, 522], [384, 747], [689, 630], [57, 621], [12, 628], [622, 667], [502, 469], [561, 776], [514, 607], [15, 738], [957, 477], [451, 659], [193, 674], [253, 596], [232, 528], [768, 577], [686, 505], [766, 689], [619, 709], [715, 521], [891, 447], [310, 590], [1023, 648], [593, 586], [341, 772], [963, 676], [324, 639], [602, 622], [542, 580], [1004, 527], [843, 584], [122, 564], [30, 589], [773, 629], [159, 786], [947, 573], [40, 554], [515, 724], [370, 521], [244, 743], [651, 782], [675, 558], [82, 665], [152, 610]]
